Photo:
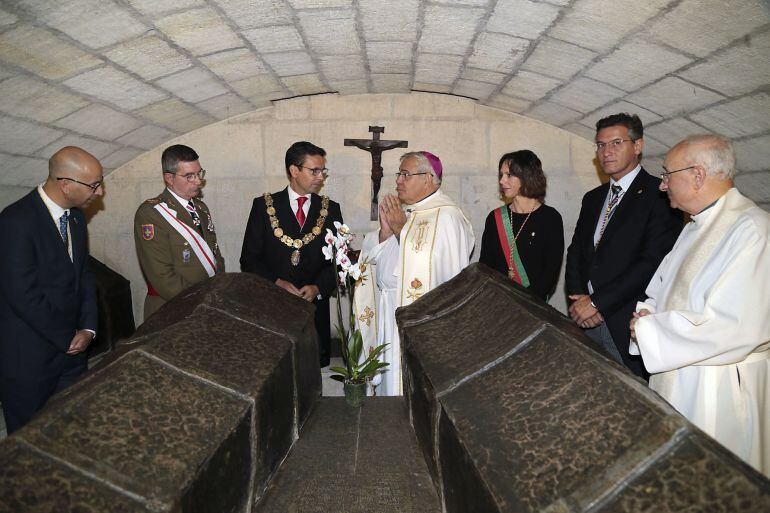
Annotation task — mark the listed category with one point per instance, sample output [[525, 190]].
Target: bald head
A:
[[699, 171], [71, 161], [713, 153], [71, 171]]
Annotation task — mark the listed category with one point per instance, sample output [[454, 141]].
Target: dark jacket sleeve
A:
[[554, 251], [326, 280], [252, 254], [490, 245]]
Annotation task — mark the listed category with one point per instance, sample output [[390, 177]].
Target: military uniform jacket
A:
[[168, 262]]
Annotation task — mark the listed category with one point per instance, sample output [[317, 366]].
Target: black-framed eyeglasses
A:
[[613, 144], [92, 186], [317, 170], [190, 176], [406, 174], [666, 173]]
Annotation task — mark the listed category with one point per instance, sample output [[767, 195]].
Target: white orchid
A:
[[355, 271], [329, 238], [328, 252]]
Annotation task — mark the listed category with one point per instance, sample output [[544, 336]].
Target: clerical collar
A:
[[418, 203], [627, 180], [179, 198], [704, 213]]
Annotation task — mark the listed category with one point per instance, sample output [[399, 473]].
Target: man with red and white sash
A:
[[174, 233], [412, 253], [704, 330]]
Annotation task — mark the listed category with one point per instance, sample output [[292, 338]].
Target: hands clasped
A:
[[392, 218], [306, 292], [583, 312]]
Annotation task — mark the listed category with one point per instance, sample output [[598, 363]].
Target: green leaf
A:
[[341, 370], [337, 377]]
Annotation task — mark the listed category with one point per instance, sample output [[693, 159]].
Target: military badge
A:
[[148, 231], [186, 256]]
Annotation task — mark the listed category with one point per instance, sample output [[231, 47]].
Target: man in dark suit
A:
[[624, 230], [48, 310], [285, 234]]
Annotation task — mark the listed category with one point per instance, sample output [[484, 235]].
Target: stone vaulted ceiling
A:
[[119, 77]]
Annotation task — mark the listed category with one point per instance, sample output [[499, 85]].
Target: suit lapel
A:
[[636, 191], [313, 213]]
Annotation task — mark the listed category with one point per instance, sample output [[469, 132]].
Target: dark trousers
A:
[[23, 397]]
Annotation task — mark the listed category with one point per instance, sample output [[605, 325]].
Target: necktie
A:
[[615, 192], [63, 228], [195, 219], [300, 212]]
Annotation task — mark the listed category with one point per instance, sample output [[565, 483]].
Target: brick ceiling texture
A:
[[122, 76]]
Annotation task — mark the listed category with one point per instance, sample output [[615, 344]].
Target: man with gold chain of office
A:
[[412, 253], [284, 236]]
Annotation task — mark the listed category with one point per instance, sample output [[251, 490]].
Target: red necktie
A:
[[301, 213]]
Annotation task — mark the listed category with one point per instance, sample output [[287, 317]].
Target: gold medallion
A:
[[316, 230], [297, 243], [271, 211], [324, 212], [278, 232], [295, 257]]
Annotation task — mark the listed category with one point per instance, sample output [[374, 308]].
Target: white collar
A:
[[627, 180], [179, 198], [54, 209], [293, 195]]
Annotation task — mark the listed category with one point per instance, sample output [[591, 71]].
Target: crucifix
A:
[[375, 146]]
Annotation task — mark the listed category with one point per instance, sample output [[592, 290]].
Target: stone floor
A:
[[356, 460]]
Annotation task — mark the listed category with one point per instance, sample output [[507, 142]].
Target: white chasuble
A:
[[707, 341], [434, 245]]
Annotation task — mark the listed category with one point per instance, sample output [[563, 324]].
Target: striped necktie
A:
[[616, 192]]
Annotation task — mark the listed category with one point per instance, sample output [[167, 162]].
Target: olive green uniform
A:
[[168, 262]]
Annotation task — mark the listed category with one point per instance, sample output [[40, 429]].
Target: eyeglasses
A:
[[92, 186], [613, 145], [317, 170], [406, 174], [665, 174], [190, 176]]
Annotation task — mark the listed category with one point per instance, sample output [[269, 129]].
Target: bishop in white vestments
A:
[[412, 253], [704, 331]]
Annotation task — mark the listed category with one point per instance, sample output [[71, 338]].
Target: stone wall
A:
[[244, 158]]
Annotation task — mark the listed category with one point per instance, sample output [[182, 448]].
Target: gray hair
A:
[[423, 165], [713, 153]]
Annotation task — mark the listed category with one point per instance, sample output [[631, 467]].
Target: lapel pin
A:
[[639, 191]]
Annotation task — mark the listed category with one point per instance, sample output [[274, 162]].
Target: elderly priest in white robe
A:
[[704, 331], [413, 252]]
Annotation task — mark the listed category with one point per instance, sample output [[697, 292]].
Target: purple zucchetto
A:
[[435, 163]]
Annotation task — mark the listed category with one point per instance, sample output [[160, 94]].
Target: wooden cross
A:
[[375, 146]]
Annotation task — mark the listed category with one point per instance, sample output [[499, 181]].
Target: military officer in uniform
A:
[[285, 234], [174, 233]]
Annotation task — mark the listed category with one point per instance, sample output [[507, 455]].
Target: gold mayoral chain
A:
[[307, 238]]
